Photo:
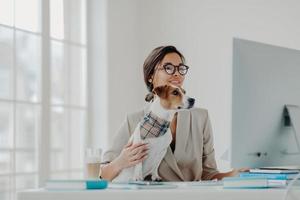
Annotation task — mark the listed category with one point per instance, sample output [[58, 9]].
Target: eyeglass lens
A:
[[170, 69]]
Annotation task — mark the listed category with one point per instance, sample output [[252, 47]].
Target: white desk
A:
[[162, 194]]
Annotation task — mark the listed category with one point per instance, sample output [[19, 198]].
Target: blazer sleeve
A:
[[209, 164], [122, 136], [119, 141]]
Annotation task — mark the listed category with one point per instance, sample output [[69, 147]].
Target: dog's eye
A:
[[175, 92]]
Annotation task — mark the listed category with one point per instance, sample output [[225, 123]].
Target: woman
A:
[[191, 153]]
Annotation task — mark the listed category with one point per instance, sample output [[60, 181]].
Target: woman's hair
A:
[[154, 58]]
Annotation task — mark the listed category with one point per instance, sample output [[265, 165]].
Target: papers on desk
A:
[[164, 185], [198, 184], [141, 185]]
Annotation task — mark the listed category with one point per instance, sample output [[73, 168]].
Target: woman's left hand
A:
[[236, 172]]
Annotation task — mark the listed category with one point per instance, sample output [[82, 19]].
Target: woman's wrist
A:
[[116, 165], [110, 171]]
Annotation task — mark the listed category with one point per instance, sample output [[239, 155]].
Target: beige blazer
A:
[[193, 158]]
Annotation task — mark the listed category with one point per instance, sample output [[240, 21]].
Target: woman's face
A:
[[160, 76]]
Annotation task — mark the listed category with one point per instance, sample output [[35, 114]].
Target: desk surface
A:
[[157, 194]]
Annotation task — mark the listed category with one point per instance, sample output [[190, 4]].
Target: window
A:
[[43, 76], [68, 87]]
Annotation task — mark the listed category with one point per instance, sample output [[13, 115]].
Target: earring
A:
[[150, 80]]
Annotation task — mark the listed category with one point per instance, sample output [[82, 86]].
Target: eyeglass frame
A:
[[175, 67]]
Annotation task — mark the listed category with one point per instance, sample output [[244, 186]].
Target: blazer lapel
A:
[[182, 132], [171, 161]]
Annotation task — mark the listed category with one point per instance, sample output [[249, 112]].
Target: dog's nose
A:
[[191, 102]]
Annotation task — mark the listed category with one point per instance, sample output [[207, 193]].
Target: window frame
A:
[[42, 149]]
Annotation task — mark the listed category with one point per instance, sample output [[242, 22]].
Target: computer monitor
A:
[[265, 105]]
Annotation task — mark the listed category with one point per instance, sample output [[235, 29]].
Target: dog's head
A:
[[173, 97]]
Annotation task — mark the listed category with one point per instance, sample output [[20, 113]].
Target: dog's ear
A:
[[149, 97], [161, 91]]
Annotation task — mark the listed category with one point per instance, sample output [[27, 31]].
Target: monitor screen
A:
[[265, 79]]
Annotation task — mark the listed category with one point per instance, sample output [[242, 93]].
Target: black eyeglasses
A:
[[171, 69]]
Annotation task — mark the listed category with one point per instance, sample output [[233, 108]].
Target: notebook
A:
[[75, 184]]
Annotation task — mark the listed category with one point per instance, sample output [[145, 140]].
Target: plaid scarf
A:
[[153, 126]]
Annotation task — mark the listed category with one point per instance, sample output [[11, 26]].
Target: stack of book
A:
[[261, 178]]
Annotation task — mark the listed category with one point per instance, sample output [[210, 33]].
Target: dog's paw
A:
[[156, 177], [138, 178]]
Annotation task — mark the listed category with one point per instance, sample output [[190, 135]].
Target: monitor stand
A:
[[292, 118]]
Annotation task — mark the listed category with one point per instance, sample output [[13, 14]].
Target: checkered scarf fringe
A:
[[153, 126]]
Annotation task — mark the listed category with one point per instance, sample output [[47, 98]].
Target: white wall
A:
[[203, 31], [124, 76]]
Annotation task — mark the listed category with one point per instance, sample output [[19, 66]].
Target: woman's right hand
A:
[[132, 154]]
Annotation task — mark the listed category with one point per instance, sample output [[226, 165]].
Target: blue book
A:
[[269, 175], [264, 175], [274, 171], [76, 184]]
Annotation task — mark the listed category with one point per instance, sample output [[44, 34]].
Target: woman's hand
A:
[[236, 172], [131, 155]]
